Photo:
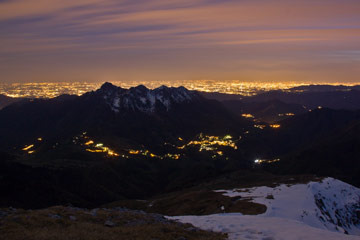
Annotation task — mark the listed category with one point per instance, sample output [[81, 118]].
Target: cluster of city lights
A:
[[211, 143], [260, 161], [100, 148], [262, 126], [286, 114], [46, 90], [214, 144], [50, 90], [30, 148], [91, 146], [204, 142], [247, 115], [152, 155]]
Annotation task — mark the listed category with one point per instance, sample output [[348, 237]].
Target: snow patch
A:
[[241, 227], [330, 204], [328, 209]]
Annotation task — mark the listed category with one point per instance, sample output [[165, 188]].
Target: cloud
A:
[[227, 32]]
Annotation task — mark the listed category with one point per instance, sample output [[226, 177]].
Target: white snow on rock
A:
[[240, 227], [143, 99], [318, 210]]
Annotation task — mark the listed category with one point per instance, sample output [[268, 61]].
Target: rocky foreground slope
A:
[[63, 223]]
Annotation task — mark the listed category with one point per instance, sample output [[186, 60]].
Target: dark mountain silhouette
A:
[[269, 111], [335, 155], [272, 106], [5, 101], [62, 172], [323, 142], [324, 88], [137, 114], [221, 96], [302, 131], [160, 121], [329, 99]]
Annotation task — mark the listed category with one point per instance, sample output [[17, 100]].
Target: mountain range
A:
[[115, 143], [137, 114], [137, 143]]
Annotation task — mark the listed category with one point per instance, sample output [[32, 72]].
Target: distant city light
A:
[[28, 147], [259, 161], [50, 90], [247, 115], [89, 143]]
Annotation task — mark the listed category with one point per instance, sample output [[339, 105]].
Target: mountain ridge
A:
[[142, 99]]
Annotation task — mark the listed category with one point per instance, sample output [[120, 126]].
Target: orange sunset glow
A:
[[107, 40]]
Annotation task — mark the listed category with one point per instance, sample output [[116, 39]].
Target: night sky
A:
[[119, 40]]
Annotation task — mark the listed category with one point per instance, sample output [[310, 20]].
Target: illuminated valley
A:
[[147, 153], [216, 145], [202, 145], [211, 143], [94, 147], [101, 148]]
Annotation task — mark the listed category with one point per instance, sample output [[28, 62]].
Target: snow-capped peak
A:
[[142, 99]]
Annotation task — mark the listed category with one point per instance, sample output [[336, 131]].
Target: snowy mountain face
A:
[[329, 209], [143, 99], [329, 204]]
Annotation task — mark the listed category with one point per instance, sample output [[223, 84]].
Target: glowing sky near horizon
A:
[[125, 40]]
